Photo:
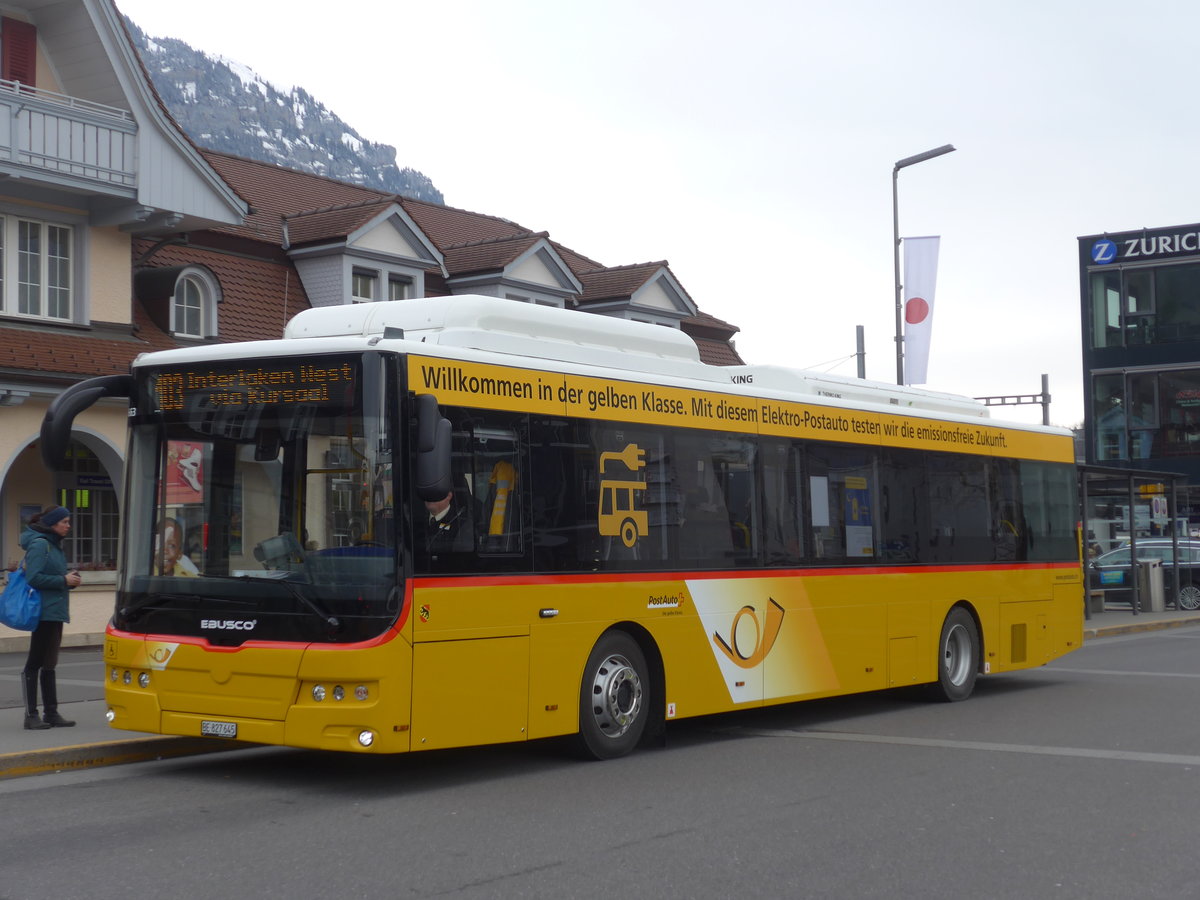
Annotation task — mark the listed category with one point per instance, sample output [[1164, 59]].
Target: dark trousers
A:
[[43, 655]]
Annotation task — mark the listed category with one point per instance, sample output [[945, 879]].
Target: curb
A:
[[1136, 627], [108, 753]]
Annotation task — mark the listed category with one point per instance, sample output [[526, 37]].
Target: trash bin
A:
[[1150, 585]]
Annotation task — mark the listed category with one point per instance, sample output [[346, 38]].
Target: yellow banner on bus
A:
[[488, 386]]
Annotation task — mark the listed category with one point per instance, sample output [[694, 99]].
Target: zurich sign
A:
[[1104, 251]]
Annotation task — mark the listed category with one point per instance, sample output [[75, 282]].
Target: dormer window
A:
[[194, 304], [365, 286]]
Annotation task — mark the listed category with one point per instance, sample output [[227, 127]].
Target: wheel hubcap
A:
[[616, 696], [956, 655], [1189, 597]]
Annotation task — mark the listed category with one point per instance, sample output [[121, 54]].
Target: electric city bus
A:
[[639, 537]]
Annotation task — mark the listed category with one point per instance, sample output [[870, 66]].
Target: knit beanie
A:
[[53, 516]]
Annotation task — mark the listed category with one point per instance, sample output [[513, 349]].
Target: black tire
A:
[[958, 657], [614, 697]]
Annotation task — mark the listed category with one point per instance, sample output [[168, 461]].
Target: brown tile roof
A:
[[447, 226], [717, 353], [258, 296], [618, 282], [274, 192], [577, 261], [488, 255], [332, 222], [50, 355]]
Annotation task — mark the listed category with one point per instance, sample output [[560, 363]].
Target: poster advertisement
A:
[[184, 477]]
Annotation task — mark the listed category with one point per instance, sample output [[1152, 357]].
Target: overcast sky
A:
[[751, 146]]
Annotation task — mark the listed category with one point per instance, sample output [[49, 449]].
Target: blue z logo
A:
[[1104, 252]]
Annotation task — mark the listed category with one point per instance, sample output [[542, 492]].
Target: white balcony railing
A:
[[67, 136]]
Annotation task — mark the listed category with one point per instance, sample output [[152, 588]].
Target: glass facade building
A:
[[1140, 294]]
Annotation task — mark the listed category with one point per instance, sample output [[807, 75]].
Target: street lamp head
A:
[[921, 157], [909, 161]]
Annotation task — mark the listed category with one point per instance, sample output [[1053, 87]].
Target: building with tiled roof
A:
[[140, 241]]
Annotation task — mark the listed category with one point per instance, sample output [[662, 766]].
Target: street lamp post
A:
[[904, 163]]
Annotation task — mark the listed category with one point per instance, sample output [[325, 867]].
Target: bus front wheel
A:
[[613, 698], [958, 657]]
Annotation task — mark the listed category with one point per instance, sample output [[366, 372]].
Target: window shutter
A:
[[18, 51]]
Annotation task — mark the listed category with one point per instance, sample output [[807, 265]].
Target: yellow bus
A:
[[459, 521]]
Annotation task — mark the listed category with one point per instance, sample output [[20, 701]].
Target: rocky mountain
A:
[[224, 106]]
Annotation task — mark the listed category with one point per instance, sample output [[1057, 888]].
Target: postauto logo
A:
[[1104, 251]]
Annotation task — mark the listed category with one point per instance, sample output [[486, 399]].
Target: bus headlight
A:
[[360, 692], [366, 738], [318, 692], [144, 680]]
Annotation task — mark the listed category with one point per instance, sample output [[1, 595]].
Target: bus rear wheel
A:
[[614, 697], [958, 657]]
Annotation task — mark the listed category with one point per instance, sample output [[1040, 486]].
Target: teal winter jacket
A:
[[46, 570]]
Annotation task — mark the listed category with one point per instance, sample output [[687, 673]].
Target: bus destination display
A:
[[281, 383]]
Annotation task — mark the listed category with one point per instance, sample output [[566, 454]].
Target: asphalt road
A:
[[1078, 780]]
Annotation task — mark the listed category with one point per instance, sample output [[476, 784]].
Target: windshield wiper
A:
[[313, 606], [155, 598]]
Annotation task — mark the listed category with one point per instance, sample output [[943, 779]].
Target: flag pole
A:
[[901, 164]]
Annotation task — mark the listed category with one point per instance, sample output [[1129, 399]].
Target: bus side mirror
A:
[[433, 450], [60, 416]]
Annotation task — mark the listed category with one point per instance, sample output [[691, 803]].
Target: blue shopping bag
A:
[[21, 603]]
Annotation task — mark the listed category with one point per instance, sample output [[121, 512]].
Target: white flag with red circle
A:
[[920, 280]]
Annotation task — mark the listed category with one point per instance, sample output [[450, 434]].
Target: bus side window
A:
[[495, 469], [781, 499], [842, 500]]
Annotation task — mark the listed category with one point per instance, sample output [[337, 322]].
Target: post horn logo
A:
[[746, 653]]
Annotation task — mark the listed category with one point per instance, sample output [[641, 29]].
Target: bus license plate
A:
[[218, 729]]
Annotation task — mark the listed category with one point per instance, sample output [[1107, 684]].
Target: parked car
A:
[[1112, 573]]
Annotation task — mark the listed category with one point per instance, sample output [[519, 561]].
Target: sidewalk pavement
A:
[[93, 743]]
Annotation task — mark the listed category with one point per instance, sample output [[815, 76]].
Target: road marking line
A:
[[1174, 759], [1123, 672]]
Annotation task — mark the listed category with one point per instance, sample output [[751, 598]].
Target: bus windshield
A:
[[262, 504]]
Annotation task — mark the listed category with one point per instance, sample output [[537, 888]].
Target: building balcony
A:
[[73, 144]]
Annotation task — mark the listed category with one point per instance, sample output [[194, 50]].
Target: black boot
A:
[[50, 702], [32, 722]]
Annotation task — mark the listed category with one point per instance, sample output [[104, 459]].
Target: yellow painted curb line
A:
[[108, 753]]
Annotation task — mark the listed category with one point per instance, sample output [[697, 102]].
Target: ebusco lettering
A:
[[228, 624]]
